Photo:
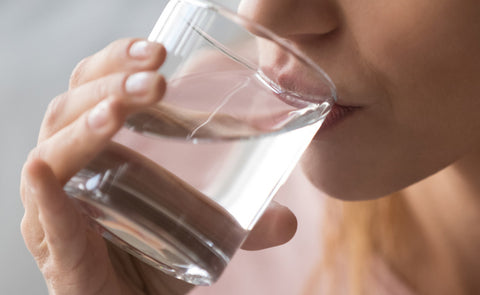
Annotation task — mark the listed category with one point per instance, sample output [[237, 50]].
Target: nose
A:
[[293, 19]]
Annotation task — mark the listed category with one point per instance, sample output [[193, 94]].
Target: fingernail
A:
[[98, 117], [139, 83], [141, 49]]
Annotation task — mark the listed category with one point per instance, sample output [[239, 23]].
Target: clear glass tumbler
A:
[[184, 182]]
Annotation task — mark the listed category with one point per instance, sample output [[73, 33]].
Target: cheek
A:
[[428, 119], [425, 53], [412, 43]]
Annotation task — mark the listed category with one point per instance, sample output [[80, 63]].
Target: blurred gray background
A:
[[41, 42]]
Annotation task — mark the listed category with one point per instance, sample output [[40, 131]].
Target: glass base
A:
[[165, 257], [153, 215], [160, 250]]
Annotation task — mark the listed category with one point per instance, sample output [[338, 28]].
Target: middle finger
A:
[[67, 107], [72, 147]]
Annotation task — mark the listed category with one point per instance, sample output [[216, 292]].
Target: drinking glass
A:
[[183, 183]]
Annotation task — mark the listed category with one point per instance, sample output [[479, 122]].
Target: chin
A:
[[342, 180], [341, 191]]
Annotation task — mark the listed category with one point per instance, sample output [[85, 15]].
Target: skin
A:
[[78, 124], [413, 77], [410, 67]]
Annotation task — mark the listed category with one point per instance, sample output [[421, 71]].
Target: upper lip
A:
[[288, 74], [297, 85], [301, 77], [309, 90]]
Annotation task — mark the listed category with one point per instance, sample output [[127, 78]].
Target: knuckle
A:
[[54, 110], [26, 177], [118, 111], [109, 87], [24, 227], [100, 90], [34, 154], [123, 42], [118, 48], [112, 87], [41, 254], [78, 72], [114, 99], [32, 239], [47, 266], [37, 246]]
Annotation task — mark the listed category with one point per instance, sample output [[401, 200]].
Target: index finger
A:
[[124, 55]]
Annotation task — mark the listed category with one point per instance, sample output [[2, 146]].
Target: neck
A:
[[447, 207]]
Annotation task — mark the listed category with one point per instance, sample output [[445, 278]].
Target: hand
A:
[[73, 258]]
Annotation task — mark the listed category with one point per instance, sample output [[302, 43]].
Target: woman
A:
[[404, 127]]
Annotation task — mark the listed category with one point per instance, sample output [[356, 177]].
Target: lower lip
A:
[[337, 114]]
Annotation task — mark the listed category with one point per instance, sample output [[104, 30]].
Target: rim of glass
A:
[[267, 34]]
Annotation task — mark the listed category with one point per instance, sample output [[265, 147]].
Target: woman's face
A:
[[410, 69]]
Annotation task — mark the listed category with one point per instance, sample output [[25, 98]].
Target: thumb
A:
[[276, 227]]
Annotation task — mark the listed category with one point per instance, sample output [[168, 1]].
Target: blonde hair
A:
[[355, 232]]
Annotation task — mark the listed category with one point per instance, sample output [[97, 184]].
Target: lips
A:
[[309, 87], [299, 82], [302, 87], [336, 115], [297, 78]]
